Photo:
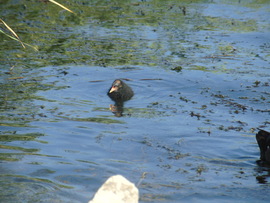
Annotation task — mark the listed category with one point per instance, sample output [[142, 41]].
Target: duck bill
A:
[[112, 89]]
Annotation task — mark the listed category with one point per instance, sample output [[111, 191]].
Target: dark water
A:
[[201, 83]]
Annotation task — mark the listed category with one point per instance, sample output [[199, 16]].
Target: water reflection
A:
[[117, 109], [263, 173]]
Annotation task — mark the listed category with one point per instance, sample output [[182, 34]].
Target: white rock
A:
[[117, 189]]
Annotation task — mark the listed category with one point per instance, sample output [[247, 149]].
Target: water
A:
[[184, 136]]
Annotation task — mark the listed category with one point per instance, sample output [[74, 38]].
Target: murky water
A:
[[201, 83]]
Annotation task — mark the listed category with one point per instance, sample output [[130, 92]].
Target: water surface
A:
[[200, 73]]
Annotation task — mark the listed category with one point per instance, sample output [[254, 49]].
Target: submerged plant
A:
[[15, 37]]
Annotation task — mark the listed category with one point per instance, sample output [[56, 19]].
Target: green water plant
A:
[[13, 34]]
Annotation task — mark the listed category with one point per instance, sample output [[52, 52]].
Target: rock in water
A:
[[116, 189]]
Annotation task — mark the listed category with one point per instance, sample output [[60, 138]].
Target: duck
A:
[[120, 92], [263, 140]]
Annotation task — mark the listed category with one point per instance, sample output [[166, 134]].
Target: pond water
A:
[[200, 72]]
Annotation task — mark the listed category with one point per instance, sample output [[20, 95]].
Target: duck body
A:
[[263, 140], [120, 92]]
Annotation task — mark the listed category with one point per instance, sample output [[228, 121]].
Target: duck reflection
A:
[[119, 92]]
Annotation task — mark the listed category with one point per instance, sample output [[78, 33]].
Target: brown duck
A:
[[263, 140], [119, 93]]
